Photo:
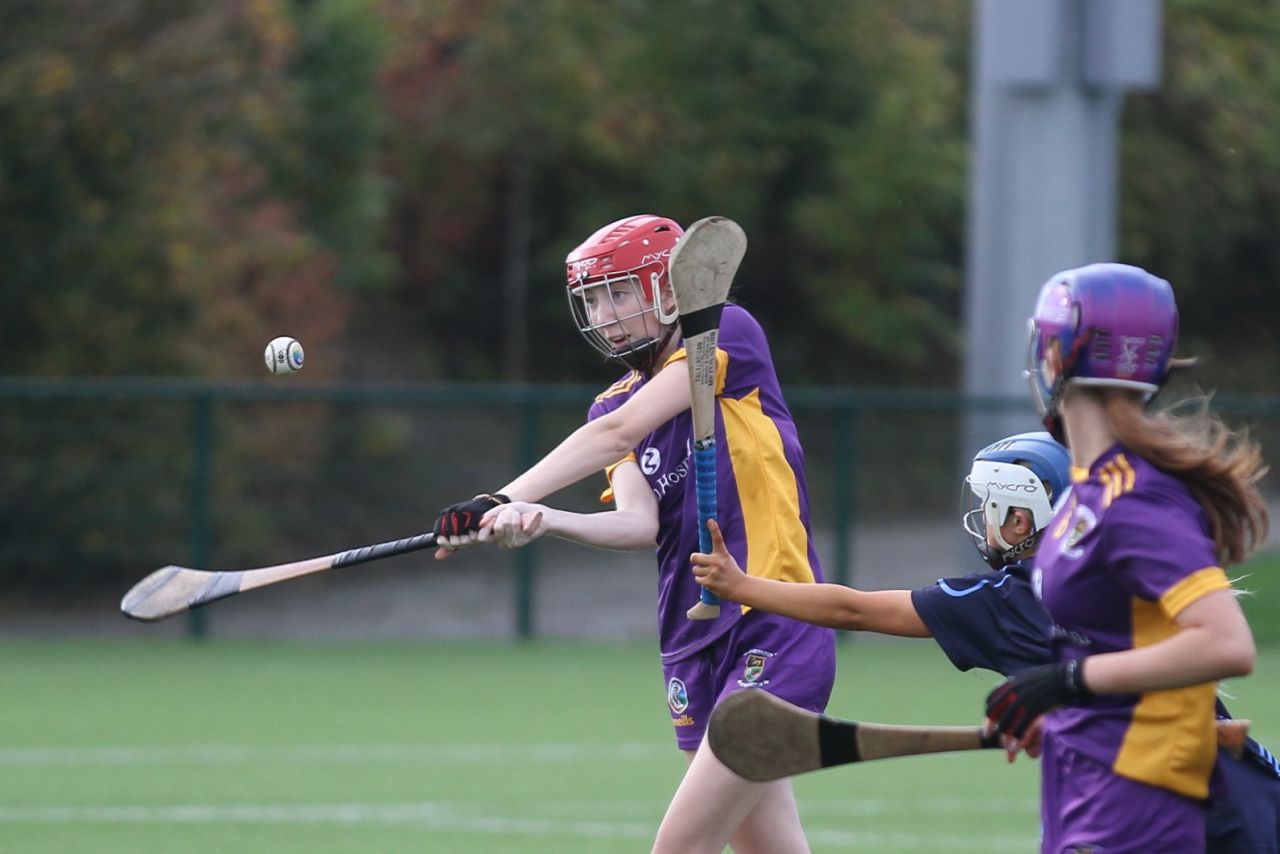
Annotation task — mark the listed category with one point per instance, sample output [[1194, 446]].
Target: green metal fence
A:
[[104, 479]]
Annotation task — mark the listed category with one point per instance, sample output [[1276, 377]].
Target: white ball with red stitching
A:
[[283, 355]]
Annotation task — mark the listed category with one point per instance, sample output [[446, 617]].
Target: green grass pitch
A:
[[222, 746]]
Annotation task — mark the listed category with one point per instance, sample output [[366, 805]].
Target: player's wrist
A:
[[1073, 679]]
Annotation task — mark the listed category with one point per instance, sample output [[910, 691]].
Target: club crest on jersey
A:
[[677, 696], [1082, 521], [753, 670], [650, 460]]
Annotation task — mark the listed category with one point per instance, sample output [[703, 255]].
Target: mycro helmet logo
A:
[[655, 256]]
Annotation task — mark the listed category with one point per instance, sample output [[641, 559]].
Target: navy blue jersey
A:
[[993, 620], [990, 620]]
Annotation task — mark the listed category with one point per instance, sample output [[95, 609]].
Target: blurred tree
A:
[[145, 231], [149, 226], [832, 132], [331, 172], [1201, 184], [397, 182], [180, 181]]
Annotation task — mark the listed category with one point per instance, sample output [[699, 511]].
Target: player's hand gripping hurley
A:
[[703, 265], [173, 589]]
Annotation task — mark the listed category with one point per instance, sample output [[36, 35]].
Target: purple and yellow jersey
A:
[[1125, 554], [763, 502]]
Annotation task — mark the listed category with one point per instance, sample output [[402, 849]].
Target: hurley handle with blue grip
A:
[[703, 264], [704, 473]]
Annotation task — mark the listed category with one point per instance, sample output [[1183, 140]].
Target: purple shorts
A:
[[763, 652], [1087, 808]]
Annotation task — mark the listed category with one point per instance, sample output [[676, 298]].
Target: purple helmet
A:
[[1102, 325]]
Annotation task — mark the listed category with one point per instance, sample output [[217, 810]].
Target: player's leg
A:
[[794, 661], [713, 805], [773, 825]]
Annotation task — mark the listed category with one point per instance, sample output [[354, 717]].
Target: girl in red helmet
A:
[[638, 432]]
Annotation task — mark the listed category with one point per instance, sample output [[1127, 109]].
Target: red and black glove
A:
[[464, 517], [1028, 694]]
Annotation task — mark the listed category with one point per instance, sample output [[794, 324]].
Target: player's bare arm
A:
[[607, 439], [631, 527], [1214, 642], [595, 445], [832, 605]]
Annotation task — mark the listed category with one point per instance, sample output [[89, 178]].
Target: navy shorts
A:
[[1247, 819], [763, 652]]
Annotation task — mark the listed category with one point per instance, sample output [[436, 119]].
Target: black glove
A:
[[464, 517], [1028, 694]]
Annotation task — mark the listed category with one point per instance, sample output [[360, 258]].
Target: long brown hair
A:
[[1220, 466]]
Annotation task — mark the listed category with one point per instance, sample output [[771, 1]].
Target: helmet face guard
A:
[[618, 285], [617, 302], [1030, 471], [1108, 325]]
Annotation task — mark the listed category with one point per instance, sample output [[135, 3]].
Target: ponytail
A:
[[1221, 467]]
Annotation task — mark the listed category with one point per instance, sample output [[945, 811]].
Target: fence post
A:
[[526, 559], [845, 492], [200, 497]]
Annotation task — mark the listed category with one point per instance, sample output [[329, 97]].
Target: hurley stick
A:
[[703, 265], [173, 589], [761, 737]]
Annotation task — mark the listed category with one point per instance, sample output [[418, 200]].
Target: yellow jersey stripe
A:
[[606, 497], [1130, 478], [1109, 482], [1195, 586], [1118, 477], [622, 386], [777, 543], [1171, 741]]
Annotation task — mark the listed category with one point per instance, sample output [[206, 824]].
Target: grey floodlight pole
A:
[[1048, 86]]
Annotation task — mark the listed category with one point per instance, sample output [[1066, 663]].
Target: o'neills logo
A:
[[683, 720]]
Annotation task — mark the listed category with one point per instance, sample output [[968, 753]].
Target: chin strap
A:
[[997, 559], [643, 355], [663, 318]]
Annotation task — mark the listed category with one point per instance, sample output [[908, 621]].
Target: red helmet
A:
[[632, 252]]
